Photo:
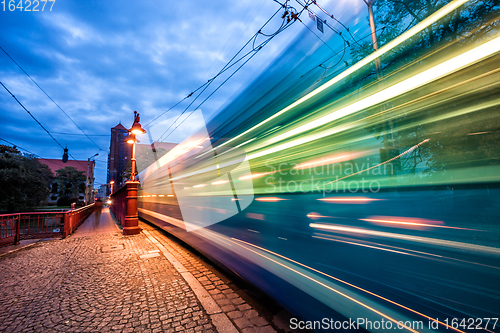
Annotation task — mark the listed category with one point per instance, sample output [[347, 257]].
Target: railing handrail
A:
[[41, 213], [10, 214], [41, 224], [79, 209]]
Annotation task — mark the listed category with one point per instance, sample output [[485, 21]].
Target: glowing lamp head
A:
[[137, 129], [130, 141], [112, 182]]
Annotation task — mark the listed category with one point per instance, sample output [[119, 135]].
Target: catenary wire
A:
[[32, 116], [254, 50], [8, 55]]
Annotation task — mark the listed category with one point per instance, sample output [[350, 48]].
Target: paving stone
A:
[[70, 285]]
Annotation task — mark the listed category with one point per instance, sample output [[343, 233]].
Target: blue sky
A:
[[101, 60]]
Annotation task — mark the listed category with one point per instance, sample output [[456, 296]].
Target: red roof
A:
[[56, 164], [119, 126]]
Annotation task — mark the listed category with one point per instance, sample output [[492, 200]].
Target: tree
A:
[[70, 182], [25, 181], [470, 24]]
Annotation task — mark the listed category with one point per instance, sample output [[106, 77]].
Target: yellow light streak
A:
[[445, 10], [269, 199], [426, 240], [220, 182], [254, 175], [344, 282], [349, 200], [448, 67], [414, 224]]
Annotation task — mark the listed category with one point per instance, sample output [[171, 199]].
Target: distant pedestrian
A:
[[98, 209]]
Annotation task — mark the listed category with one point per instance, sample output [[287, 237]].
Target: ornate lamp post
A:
[[136, 129], [89, 183], [111, 183], [131, 222]]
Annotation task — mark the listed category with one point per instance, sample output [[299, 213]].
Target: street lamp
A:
[[134, 130], [90, 181], [111, 183], [131, 220]]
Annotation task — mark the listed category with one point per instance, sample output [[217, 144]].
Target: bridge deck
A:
[[110, 282]]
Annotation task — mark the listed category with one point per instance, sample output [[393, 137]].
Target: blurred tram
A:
[[374, 199]]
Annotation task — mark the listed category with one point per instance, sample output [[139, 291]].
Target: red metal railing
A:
[[119, 204], [73, 218], [9, 229], [15, 227]]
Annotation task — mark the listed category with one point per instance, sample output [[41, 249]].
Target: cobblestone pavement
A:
[[245, 318], [118, 283]]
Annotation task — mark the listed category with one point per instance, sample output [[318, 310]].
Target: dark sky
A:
[[101, 60]]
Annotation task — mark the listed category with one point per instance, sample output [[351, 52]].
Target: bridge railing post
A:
[[17, 238]]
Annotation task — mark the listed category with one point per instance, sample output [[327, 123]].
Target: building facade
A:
[[119, 156], [86, 167]]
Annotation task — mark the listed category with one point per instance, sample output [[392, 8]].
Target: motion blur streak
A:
[[385, 247], [397, 41], [269, 199], [324, 285], [349, 200], [330, 160], [383, 186], [446, 68], [347, 283], [440, 242], [410, 222]]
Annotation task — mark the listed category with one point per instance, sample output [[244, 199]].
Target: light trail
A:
[[418, 239], [239, 242], [432, 74], [255, 175], [412, 223], [339, 238], [448, 67], [269, 199], [445, 10], [220, 182], [344, 282], [350, 200]]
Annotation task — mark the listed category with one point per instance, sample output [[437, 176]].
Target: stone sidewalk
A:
[[110, 282]]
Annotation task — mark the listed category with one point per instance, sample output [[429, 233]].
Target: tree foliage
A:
[[470, 24], [24, 180], [70, 182]]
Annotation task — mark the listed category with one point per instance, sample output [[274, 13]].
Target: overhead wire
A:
[[50, 98], [210, 95], [226, 67], [39, 123], [290, 15], [17, 146], [338, 21], [80, 134], [58, 162]]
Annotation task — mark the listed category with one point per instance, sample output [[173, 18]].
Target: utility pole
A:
[[378, 67], [89, 183], [391, 148]]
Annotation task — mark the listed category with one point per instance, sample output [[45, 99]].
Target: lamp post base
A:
[[131, 222], [131, 230]]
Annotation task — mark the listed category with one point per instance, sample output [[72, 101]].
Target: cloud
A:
[[102, 60]]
